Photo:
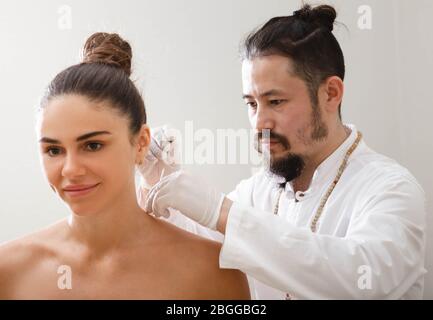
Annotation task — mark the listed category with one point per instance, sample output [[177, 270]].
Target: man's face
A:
[[279, 101]]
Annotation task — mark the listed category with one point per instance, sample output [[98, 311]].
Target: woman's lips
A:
[[80, 191]]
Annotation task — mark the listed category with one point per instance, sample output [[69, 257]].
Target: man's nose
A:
[[264, 119]]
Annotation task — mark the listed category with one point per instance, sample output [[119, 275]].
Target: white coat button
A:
[[299, 195]]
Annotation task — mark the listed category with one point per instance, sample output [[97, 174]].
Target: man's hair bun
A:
[[322, 16]]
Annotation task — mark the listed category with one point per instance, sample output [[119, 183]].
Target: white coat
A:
[[370, 239]]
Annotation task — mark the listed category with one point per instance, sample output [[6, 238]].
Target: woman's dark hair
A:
[[103, 75], [306, 38]]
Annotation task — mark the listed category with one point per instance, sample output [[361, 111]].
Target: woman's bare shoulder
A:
[[22, 254], [35, 240], [200, 258], [220, 284]]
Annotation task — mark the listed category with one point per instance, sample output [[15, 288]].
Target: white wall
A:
[[186, 63]]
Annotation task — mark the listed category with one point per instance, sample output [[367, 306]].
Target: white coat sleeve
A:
[[386, 236]]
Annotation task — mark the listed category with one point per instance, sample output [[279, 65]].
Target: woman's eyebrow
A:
[[80, 138], [91, 134]]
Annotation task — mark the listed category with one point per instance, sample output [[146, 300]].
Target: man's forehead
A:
[[268, 62], [267, 81]]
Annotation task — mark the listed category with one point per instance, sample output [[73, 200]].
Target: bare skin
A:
[[113, 248], [159, 261]]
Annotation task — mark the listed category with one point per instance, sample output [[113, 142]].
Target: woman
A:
[[92, 134]]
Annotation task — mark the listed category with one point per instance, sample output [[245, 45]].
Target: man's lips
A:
[[269, 142]]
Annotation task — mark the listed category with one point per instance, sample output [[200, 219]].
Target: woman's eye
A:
[[52, 152], [93, 146]]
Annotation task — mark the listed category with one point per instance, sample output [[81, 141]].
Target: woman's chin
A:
[[83, 210]]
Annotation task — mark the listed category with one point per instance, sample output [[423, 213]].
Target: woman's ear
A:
[[143, 142]]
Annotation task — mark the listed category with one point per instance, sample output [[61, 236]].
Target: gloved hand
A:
[[189, 194], [161, 158]]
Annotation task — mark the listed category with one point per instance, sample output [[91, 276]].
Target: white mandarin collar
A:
[[329, 167]]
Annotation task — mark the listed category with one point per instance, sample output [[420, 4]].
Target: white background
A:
[[186, 63]]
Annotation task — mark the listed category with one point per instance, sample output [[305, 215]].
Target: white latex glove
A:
[[189, 194], [161, 158]]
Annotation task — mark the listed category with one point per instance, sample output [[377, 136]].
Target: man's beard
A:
[[291, 165]]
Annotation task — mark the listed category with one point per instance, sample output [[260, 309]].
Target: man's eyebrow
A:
[[273, 92], [80, 138]]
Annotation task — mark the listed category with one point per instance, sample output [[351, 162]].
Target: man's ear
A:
[[143, 142], [332, 91]]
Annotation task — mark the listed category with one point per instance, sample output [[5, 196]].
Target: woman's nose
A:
[[72, 167]]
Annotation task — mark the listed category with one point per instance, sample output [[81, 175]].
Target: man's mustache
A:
[[267, 134]]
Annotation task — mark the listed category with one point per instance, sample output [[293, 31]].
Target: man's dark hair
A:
[[306, 38]]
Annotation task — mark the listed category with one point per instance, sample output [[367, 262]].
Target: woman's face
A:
[[87, 154]]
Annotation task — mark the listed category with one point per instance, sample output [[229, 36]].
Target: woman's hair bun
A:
[[108, 48], [323, 15]]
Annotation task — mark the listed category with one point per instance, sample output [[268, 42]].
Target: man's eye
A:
[[53, 151], [93, 146], [251, 104], [276, 102]]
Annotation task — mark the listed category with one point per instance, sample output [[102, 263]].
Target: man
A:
[[331, 218]]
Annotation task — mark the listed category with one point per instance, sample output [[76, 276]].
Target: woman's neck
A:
[[118, 226]]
